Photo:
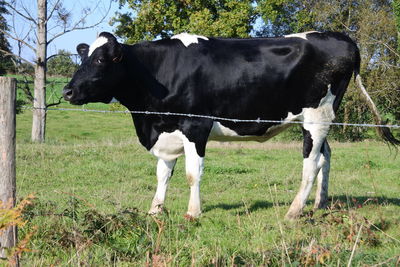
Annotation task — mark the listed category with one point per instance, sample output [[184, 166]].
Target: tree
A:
[[61, 64], [282, 17], [163, 18], [5, 58], [37, 38]]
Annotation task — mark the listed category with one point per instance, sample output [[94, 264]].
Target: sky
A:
[[70, 40]]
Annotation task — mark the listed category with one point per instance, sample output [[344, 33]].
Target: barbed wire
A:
[[216, 118]]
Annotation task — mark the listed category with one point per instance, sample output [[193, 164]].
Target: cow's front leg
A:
[[194, 170], [164, 172]]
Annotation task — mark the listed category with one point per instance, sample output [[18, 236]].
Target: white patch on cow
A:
[[188, 39], [324, 113], [222, 133], [302, 35], [169, 146], [97, 43]]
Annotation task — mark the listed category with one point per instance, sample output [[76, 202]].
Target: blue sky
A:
[[69, 41]]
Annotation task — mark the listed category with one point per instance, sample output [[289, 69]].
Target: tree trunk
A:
[[39, 102]]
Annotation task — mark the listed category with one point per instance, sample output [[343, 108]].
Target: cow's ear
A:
[[83, 51], [115, 47]]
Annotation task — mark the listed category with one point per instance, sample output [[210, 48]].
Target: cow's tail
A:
[[383, 132]]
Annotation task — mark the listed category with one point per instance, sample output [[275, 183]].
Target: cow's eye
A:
[[100, 60]]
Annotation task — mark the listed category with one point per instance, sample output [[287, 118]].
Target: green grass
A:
[[94, 183]]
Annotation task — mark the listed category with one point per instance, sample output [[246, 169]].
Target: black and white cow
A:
[[299, 77]]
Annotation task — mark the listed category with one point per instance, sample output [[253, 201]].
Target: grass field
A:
[[93, 184]]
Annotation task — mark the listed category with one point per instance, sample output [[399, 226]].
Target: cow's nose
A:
[[67, 93]]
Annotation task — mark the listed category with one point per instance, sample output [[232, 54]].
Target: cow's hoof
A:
[[291, 216], [191, 218], [156, 210], [321, 205]]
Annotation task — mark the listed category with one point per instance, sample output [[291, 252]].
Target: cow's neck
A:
[[136, 93], [139, 89]]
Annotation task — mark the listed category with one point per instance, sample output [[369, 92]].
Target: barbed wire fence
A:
[[216, 118]]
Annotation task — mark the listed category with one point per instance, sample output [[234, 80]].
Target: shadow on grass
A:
[[243, 208], [254, 206], [365, 200], [262, 204]]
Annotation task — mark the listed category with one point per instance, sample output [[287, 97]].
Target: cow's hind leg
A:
[[164, 172], [315, 130], [321, 195], [313, 141]]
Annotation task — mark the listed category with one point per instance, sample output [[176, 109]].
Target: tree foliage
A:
[[163, 18], [61, 64], [5, 60], [396, 10], [282, 17]]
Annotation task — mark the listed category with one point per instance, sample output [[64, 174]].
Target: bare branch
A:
[[55, 6], [16, 35], [60, 55], [76, 25], [29, 15], [55, 103], [17, 39], [14, 55], [387, 65], [391, 49], [52, 28], [388, 47], [27, 90], [25, 16], [347, 28]]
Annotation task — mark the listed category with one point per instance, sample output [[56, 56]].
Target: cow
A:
[[294, 78]]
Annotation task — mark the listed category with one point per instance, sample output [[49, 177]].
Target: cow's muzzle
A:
[[68, 94]]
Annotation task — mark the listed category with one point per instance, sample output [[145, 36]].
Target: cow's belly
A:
[[322, 114], [223, 133]]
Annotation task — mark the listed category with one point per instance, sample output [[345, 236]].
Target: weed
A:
[[13, 217]]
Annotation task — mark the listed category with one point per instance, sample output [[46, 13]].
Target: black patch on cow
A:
[[322, 150], [307, 143]]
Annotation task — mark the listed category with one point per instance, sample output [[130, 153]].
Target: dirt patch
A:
[[190, 179]]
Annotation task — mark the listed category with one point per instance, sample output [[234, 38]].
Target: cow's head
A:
[[99, 74]]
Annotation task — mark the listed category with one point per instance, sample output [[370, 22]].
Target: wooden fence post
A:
[[8, 237]]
